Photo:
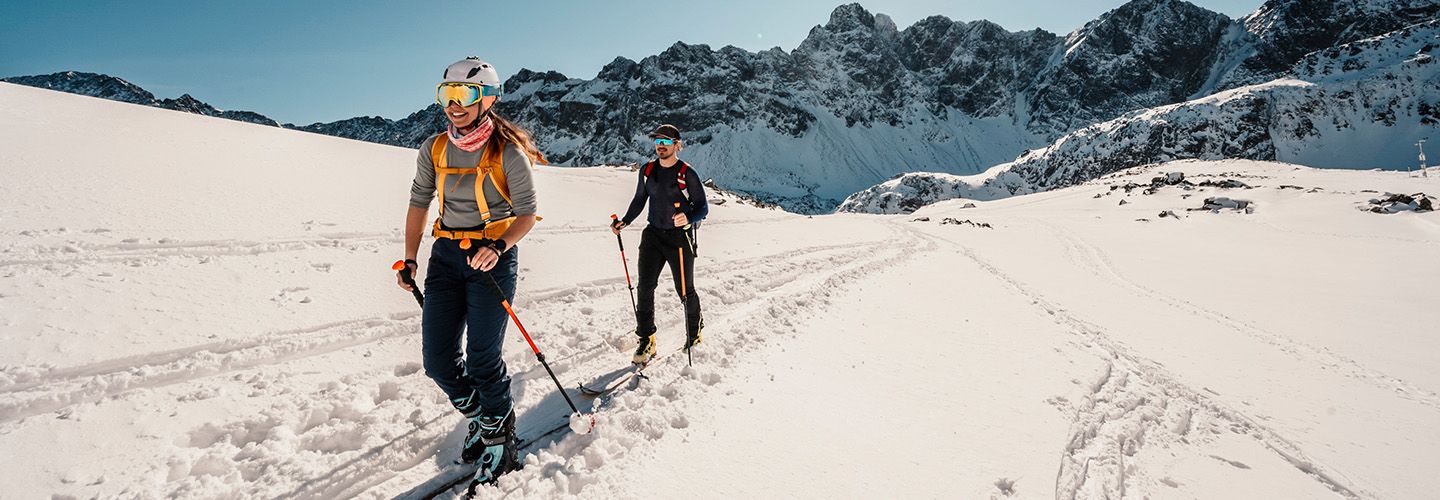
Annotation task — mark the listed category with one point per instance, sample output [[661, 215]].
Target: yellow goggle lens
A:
[[463, 94]]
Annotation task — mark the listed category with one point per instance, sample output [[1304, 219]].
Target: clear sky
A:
[[325, 60]]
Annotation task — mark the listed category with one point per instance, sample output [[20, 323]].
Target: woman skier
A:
[[480, 168]]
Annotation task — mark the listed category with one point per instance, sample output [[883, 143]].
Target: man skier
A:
[[677, 205]]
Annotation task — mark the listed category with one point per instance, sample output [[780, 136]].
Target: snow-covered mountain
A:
[[91, 84], [1358, 105], [860, 100], [907, 193], [117, 89], [1282, 31], [405, 132]]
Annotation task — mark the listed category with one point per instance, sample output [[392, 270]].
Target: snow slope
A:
[[201, 324]]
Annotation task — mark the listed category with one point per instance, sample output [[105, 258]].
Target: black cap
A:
[[667, 131]]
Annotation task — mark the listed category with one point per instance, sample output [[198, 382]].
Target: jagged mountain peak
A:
[[118, 89], [850, 27], [853, 17], [1144, 53], [621, 68], [681, 50], [850, 17], [1128, 27], [526, 75], [187, 99], [91, 84]]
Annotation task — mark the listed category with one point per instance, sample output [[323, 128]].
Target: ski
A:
[[443, 483], [595, 390], [466, 472]]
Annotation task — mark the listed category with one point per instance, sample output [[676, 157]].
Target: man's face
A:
[[666, 147]]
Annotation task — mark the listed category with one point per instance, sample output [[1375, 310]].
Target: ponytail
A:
[[512, 133]]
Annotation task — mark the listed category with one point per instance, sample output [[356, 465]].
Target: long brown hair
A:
[[515, 134]]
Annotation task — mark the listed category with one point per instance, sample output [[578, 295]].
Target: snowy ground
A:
[[200, 308]]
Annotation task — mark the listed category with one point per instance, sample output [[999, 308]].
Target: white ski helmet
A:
[[472, 70]]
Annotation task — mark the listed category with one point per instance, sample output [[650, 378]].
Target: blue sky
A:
[[309, 61]]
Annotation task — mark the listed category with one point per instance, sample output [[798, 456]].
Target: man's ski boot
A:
[[691, 340], [645, 351], [491, 445]]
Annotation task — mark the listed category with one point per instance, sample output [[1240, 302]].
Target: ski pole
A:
[[581, 426], [684, 296], [621, 241], [499, 293], [409, 280]]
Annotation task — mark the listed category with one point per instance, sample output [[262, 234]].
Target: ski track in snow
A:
[[90, 253], [1100, 263], [769, 302], [29, 391], [1135, 401], [35, 393], [75, 251], [336, 419]]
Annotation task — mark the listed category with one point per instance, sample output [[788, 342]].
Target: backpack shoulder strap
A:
[[493, 162], [491, 166], [437, 159], [680, 180]]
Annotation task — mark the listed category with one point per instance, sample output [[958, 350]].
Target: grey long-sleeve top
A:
[[461, 210]]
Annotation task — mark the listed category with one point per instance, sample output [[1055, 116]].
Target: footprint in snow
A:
[[1005, 487]]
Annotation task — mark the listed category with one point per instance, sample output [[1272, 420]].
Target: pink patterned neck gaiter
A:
[[474, 140]]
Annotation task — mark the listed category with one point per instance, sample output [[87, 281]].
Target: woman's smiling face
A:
[[464, 116]]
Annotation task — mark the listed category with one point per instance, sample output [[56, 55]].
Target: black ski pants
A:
[[659, 247], [460, 304]]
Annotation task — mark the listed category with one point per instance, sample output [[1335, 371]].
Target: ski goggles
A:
[[661, 141], [464, 94]]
